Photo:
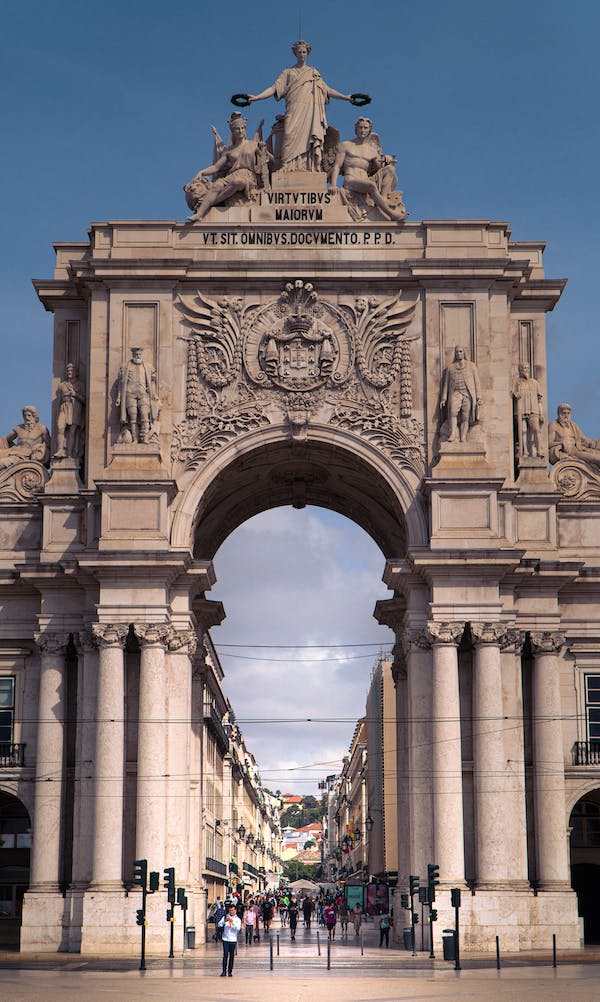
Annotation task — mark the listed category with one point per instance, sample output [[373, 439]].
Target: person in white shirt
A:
[[231, 926]]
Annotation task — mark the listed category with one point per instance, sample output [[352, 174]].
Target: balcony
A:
[[251, 869], [215, 866], [213, 722], [586, 753], [11, 754]]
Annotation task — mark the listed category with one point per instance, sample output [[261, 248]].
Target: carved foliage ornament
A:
[[444, 633], [547, 642], [245, 359], [22, 482]]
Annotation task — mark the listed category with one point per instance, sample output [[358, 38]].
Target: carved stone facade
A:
[[296, 353]]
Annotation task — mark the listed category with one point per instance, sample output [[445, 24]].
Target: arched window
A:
[[585, 823]]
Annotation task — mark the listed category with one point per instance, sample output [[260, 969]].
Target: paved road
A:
[[299, 975]]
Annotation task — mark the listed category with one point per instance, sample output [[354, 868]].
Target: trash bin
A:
[[190, 933], [449, 944], [407, 933]]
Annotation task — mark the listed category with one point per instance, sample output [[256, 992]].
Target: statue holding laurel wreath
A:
[[304, 125]]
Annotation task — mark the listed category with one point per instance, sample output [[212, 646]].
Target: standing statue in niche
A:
[[305, 124], [530, 415], [238, 170], [136, 399], [367, 172], [567, 441], [29, 440], [461, 394], [70, 420]]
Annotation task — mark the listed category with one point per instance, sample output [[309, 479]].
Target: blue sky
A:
[[491, 109]]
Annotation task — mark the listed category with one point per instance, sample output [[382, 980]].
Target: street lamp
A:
[[369, 824], [241, 831]]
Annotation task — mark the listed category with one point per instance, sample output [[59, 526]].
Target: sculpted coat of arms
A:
[[303, 357]]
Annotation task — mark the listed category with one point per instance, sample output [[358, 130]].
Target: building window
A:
[[585, 822], [592, 706], [7, 708]]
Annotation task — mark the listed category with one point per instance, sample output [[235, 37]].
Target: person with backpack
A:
[[385, 924], [293, 917]]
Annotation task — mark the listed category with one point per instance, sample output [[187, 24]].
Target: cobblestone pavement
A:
[[300, 974]]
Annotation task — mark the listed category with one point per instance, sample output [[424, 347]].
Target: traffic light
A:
[[139, 916], [182, 901], [414, 884], [433, 914], [154, 881], [423, 895], [455, 897], [140, 872], [404, 901], [433, 879], [169, 882], [170, 915]]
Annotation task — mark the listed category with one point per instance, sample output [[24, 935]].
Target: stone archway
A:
[[584, 824], [15, 842]]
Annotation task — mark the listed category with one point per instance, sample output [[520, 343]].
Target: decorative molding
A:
[[194, 441], [575, 480], [182, 642], [400, 438], [152, 634], [50, 642], [109, 634], [444, 633], [547, 642], [22, 481]]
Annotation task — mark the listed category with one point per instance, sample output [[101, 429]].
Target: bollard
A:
[[362, 943], [328, 954], [554, 949], [277, 944], [271, 953], [497, 953], [318, 944]]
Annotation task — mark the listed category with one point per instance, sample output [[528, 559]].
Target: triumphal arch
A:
[[300, 339]]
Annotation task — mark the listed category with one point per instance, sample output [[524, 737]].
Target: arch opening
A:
[[584, 824], [300, 474], [15, 846]]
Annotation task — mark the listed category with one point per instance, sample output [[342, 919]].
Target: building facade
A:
[[263, 354]]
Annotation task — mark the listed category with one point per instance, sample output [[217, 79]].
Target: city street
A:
[[298, 974]]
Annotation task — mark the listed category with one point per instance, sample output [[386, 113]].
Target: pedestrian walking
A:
[[267, 914], [385, 924], [250, 920], [293, 917], [344, 916], [357, 918], [307, 910], [330, 918], [231, 925]]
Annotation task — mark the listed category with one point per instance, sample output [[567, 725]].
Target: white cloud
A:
[[306, 577]]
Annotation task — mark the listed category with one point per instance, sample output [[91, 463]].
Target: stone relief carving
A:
[[24, 455], [499, 634], [152, 634], [369, 176], [238, 170], [300, 358], [575, 457], [50, 642], [182, 642], [529, 412], [547, 642], [109, 635], [71, 416], [137, 400], [444, 633], [460, 397]]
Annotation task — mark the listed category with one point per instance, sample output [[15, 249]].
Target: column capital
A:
[[499, 634], [108, 634], [415, 638], [444, 633], [51, 642], [152, 634], [547, 642], [182, 642]]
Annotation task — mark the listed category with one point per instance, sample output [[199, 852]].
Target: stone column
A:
[[448, 825], [151, 802], [492, 809], [549, 764], [109, 758], [181, 649], [83, 820], [49, 764]]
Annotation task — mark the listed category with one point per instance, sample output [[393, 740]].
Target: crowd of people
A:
[[253, 915]]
